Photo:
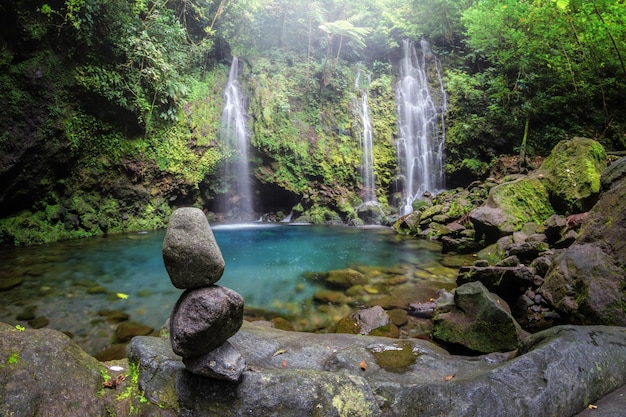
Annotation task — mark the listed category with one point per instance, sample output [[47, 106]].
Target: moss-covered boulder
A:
[[479, 320], [571, 174], [408, 224], [44, 373], [511, 205]]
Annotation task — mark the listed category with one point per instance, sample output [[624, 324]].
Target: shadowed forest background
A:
[[111, 109]]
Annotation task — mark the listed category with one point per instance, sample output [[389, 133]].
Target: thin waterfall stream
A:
[[367, 146], [421, 110]]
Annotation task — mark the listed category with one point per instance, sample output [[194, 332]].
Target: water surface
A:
[[70, 282]]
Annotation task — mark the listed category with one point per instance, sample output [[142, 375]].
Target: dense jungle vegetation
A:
[[110, 109]]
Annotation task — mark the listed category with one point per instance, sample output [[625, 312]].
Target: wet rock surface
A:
[[556, 372]]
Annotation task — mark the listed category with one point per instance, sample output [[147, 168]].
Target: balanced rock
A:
[[224, 362], [203, 319], [190, 253]]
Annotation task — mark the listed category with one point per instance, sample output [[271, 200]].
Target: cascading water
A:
[[368, 152], [421, 123], [236, 203], [367, 165]]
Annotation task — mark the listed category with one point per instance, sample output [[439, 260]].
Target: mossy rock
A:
[[510, 206], [409, 224], [345, 278], [524, 200], [571, 174]]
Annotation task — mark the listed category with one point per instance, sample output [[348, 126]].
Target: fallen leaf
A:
[[592, 407], [449, 377], [279, 352], [122, 295], [284, 364], [115, 382], [363, 365]]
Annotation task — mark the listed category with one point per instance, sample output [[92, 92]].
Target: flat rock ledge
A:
[[557, 372]]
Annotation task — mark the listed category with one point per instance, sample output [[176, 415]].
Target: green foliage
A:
[[551, 57]]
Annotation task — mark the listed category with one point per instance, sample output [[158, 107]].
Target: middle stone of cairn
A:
[[206, 315]]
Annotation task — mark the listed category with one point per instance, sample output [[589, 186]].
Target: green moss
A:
[[572, 173], [525, 200], [395, 358], [350, 401]]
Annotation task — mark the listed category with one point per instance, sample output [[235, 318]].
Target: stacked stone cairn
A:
[[206, 315]]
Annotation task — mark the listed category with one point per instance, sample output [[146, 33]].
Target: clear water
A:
[[265, 263]]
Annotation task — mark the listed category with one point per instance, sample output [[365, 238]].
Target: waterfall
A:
[[368, 152], [421, 112], [236, 204], [367, 146]]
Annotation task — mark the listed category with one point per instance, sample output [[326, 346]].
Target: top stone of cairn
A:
[[191, 255]]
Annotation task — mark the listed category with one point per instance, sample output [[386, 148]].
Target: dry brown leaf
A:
[[114, 382], [449, 377], [592, 407], [363, 365], [284, 364]]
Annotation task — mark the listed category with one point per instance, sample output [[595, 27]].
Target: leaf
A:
[[449, 377], [284, 364], [592, 406], [122, 295], [279, 352], [363, 366]]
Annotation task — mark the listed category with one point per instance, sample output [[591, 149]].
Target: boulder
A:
[[613, 173], [43, 373], [370, 213], [571, 174], [203, 319], [511, 205], [606, 223], [557, 372], [509, 282], [190, 253], [408, 224], [481, 321], [294, 374], [585, 285]]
